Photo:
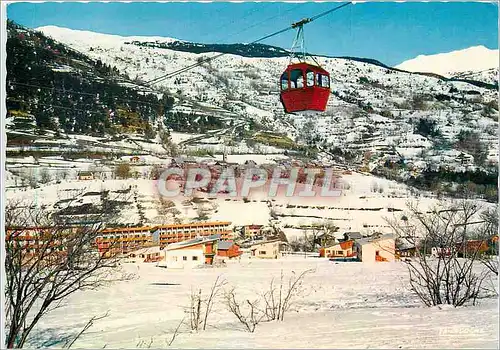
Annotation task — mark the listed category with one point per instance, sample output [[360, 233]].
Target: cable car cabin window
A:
[[326, 81], [296, 79], [310, 78], [284, 81], [322, 80]]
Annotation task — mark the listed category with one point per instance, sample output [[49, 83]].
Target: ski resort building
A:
[[168, 234], [192, 253], [123, 240], [36, 240]]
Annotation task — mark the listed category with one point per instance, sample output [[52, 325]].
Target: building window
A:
[[184, 258], [262, 252], [339, 252], [195, 258]]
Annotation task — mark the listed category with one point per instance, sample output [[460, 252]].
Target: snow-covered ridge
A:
[[73, 36], [476, 58]]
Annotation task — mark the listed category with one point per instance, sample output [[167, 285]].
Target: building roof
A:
[[269, 241], [126, 229], [194, 241], [148, 250], [353, 235], [344, 245], [85, 173], [193, 224], [403, 243], [369, 240], [224, 245], [257, 227]]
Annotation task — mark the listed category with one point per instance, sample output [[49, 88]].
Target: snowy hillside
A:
[[472, 59], [371, 108], [82, 37], [489, 76]]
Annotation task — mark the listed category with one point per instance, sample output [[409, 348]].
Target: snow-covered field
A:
[[340, 305]]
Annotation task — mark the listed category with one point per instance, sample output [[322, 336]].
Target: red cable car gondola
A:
[[303, 86]]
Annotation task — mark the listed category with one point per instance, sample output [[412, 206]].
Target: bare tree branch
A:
[[89, 324], [450, 276], [47, 260]]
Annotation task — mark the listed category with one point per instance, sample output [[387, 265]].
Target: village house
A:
[[250, 231], [228, 249], [173, 233], [465, 159], [135, 159], [192, 253], [341, 250], [405, 248], [112, 241], [471, 247], [146, 255], [268, 249], [85, 175], [438, 252], [376, 248], [462, 249]]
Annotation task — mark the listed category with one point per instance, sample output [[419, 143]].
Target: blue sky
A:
[[389, 32]]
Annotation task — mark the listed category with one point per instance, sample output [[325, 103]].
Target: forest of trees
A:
[[191, 122], [245, 50], [82, 96]]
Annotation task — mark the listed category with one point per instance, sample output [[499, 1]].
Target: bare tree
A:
[[195, 312], [321, 234], [122, 171], [490, 234], [46, 261], [32, 180], [175, 333], [200, 308], [214, 293], [445, 278], [45, 176], [278, 299], [89, 324], [202, 213], [251, 318], [276, 302]]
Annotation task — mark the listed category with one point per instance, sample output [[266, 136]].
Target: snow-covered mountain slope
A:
[[472, 59], [371, 108], [489, 76], [84, 38]]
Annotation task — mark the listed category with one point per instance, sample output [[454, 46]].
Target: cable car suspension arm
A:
[[293, 26]]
